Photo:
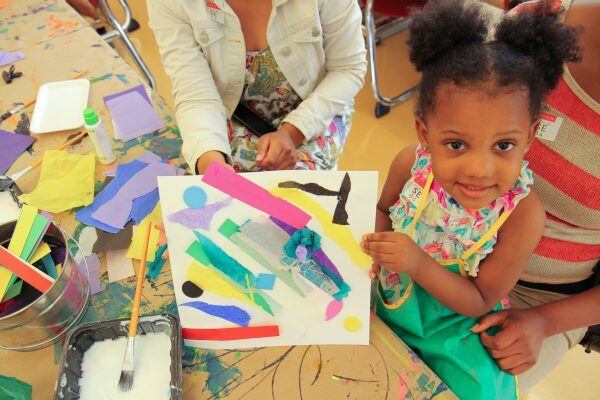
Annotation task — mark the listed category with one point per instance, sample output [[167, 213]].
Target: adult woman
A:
[[556, 299], [296, 63]]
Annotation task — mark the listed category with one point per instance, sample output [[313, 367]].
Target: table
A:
[[386, 369]]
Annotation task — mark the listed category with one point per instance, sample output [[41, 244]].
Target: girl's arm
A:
[[498, 272]]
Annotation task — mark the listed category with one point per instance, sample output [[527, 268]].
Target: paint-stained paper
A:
[[238, 258], [119, 265], [66, 181]]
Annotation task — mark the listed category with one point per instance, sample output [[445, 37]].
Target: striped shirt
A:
[[567, 179]]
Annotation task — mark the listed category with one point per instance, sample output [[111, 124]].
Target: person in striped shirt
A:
[[556, 298]]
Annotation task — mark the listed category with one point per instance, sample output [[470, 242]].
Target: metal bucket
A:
[[48, 317]]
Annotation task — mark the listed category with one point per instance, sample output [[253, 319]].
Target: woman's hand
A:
[[277, 150], [208, 158], [394, 251], [517, 346]]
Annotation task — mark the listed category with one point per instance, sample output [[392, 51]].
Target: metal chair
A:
[[394, 13], [120, 31]]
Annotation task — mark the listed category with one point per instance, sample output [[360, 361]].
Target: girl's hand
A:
[[277, 150], [208, 158], [394, 251], [517, 347]]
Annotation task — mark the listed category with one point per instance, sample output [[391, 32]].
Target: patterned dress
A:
[[450, 234], [269, 94]]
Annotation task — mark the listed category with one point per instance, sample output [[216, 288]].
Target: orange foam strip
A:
[[248, 332], [25, 271]]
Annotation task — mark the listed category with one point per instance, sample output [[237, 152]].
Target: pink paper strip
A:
[[227, 181]]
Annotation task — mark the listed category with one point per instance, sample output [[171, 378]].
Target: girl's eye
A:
[[505, 146], [455, 145]]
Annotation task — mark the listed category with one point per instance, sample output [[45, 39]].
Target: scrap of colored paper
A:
[[113, 241], [229, 267], [229, 313], [66, 181], [222, 334], [12, 145], [140, 89], [340, 234], [119, 266], [137, 243], [159, 262], [235, 185], [265, 281], [208, 279], [25, 271], [133, 115], [115, 212], [13, 291], [59, 268], [10, 57], [199, 217], [14, 389], [93, 264], [124, 173], [194, 197], [333, 309], [49, 266], [36, 233], [352, 324], [39, 252]]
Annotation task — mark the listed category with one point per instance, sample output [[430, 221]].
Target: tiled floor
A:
[[371, 146]]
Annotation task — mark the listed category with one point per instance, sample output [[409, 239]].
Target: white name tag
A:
[[548, 127], [215, 13], [414, 193]]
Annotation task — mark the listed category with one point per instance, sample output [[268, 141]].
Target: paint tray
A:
[[59, 106], [83, 337]]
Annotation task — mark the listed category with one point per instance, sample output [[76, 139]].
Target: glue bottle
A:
[[97, 132]]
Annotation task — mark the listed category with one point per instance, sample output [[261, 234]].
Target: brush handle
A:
[[135, 309]]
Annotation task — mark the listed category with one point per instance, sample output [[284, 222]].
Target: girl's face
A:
[[477, 140]]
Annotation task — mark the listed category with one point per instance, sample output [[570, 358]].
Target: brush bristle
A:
[[126, 381]]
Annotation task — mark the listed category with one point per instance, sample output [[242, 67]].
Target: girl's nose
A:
[[478, 165]]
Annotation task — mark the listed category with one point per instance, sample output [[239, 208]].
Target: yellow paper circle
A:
[[352, 324]]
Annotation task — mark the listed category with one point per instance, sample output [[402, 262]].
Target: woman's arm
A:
[[498, 273], [345, 63], [199, 110]]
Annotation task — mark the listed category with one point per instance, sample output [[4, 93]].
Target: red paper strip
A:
[[235, 185], [249, 332], [25, 271]]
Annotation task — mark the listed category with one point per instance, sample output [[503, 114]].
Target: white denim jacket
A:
[[317, 44]]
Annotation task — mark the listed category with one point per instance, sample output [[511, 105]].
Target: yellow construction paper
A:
[[17, 242], [40, 252], [58, 269], [66, 181], [340, 234], [139, 235], [210, 280]]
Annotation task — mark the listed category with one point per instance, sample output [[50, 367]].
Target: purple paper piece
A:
[[12, 145], [142, 206], [10, 57], [194, 218], [93, 264], [133, 116], [124, 173], [229, 313], [141, 89], [265, 281], [148, 157], [319, 256], [115, 212]]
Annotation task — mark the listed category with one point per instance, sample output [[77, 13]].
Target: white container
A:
[[59, 106], [97, 132]]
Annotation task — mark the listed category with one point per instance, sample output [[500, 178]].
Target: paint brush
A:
[[6, 182], [126, 379]]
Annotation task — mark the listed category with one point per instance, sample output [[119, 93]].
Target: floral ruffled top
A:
[[445, 228]]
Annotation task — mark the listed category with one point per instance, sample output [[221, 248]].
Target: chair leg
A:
[[383, 103]]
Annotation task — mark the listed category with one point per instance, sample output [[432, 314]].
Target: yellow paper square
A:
[[66, 181]]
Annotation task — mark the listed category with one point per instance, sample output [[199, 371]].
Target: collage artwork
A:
[[270, 258]]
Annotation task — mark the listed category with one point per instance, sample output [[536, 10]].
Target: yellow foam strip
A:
[[340, 234], [17, 242], [208, 279], [40, 252]]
